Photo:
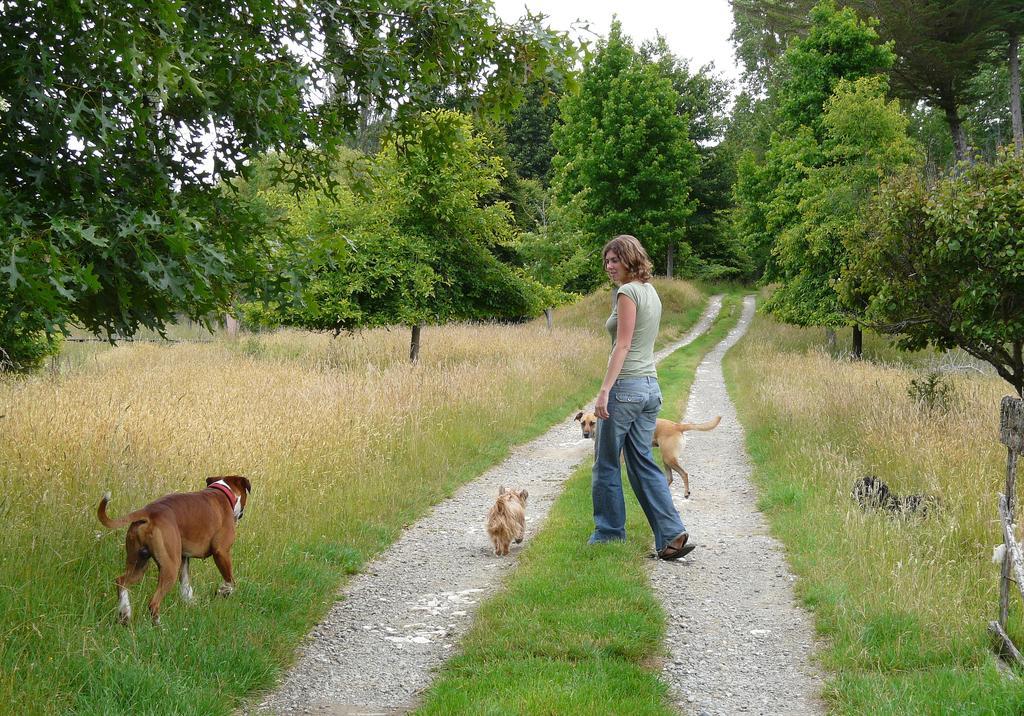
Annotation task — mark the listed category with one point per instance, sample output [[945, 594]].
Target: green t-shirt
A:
[[640, 359]]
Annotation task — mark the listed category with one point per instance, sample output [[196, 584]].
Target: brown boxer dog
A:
[[174, 529]]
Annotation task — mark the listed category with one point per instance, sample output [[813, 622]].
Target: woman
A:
[[627, 408]]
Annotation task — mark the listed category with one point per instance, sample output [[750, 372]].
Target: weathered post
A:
[[1011, 434]]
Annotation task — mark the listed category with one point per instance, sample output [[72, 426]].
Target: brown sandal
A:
[[679, 547]]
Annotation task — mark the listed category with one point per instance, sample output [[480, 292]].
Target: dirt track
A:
[[393, 624]]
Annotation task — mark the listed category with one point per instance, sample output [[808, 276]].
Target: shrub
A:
[[933, 393], [23, 350]]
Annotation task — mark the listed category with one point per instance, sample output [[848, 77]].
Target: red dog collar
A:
[[226, 491]]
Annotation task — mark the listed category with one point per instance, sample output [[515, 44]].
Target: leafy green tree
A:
[[750, 212], [402, 57], [110, 216], [987, 123], [943, 264], [929, 128], [122, 124], [558, 254], [703, 98], [747, 139], [438, 177], [522, 195], [351, 267], [865, 141], [838, 46], [625, 163], [419, 248]]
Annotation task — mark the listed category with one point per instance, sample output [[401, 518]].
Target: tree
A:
[[1014, 29], [838, 47], [350, 267], [749, 215], [624, 162], [123, 124], [438, 177], [528, 130], [417, 247], [939, 45], [1015, 101], [522, 195], [865, 141], [762, 30], [944, 265], [702, 100], [747, 140]]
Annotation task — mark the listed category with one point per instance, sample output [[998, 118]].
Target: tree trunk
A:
[[956, 129], [414, 346], [1015, 110], [549, 314], [858, 342], [669, 256], [230, 325], [830, 340]]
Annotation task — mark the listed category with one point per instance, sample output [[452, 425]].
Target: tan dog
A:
[[506, 522], [174, 529], [668, 437]]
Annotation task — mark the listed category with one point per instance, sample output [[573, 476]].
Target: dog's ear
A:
[[501, 490], [579, 415], [246, 484], [523, 494], [211, 480]]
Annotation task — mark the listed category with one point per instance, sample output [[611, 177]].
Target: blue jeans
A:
[[633, 405]]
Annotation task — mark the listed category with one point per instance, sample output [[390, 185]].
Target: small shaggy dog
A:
[[872, 493], [506, 522]]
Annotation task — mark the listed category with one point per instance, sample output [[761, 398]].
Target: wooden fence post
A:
[[1011, 434]]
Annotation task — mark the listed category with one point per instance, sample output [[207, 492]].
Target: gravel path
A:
[[394, 623], [739, 642]]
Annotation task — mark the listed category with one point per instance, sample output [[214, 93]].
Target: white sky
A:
[[697, 30]]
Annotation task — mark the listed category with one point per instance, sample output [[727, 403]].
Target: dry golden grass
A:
[[306, 416], [822, 424], [334, 414]]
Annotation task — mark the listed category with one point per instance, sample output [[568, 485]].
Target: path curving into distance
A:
[[401, 618], [738, 641]]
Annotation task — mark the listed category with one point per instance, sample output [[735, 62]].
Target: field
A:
[[902, 603], [344, 441]]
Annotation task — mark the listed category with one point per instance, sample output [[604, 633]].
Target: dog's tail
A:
[[101, 512], [709, 425], [501, 508]]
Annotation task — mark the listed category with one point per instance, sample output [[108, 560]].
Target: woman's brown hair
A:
[[631, 255]]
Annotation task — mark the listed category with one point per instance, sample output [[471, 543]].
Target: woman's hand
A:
[[601, 407]]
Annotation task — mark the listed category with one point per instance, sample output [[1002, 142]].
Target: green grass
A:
[[577, 628], [902, 604]]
